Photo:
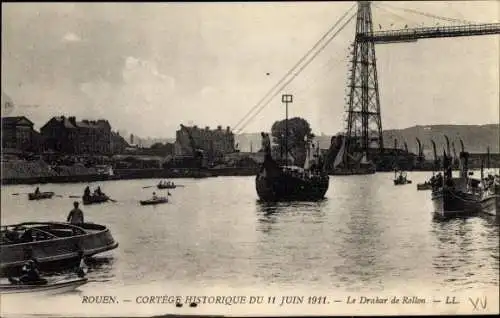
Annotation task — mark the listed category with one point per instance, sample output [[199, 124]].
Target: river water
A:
[[367, 236]]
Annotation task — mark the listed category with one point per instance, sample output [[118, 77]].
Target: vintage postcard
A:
[[250, 158]]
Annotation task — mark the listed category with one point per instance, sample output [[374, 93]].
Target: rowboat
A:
[[40, 195], [95, 198], [55, 287], [160, 200], [166, 186], [53, 244]]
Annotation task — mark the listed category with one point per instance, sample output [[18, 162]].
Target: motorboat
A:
[[52, 244], [159, 200], [40, 195], [54, 287]]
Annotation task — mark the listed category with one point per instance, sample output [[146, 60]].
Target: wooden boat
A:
[[166, 186], [424, 186], [94, 199], [490, 204], [55, 287], [401, 179], [40, 195], [53, 244], [456, 196], [291, 183], [159, 200], [449, 202]]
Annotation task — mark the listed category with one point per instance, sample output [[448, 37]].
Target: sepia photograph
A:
[[271, 158]]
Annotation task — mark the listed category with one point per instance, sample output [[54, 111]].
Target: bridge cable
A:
[[394, 14], [246, 122], [294, 67], [429, 15]]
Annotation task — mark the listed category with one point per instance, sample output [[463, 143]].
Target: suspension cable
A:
[[249, 119], [293, 68], [392, 13], [429, 15]]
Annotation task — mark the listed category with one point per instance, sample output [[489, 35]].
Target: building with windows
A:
[[214, 142], [65, 134], [18, 133]]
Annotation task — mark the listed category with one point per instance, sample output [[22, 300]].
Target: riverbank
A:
[[38, 172]]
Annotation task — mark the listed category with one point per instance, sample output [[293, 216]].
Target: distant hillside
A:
[[476, 138]]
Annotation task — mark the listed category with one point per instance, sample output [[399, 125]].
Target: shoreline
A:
[[152, 173]]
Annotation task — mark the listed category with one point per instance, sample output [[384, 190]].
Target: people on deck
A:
[[30, 274], [86, 192], [75, 216], [37, 190], [155, 197]]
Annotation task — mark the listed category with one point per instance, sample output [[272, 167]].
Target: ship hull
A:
[[284, 187], [450, 203], [491, 205], [57, 252]]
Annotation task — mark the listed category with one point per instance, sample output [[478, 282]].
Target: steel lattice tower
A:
[[364, 124]]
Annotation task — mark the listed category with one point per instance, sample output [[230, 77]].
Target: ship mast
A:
[[286, 98]]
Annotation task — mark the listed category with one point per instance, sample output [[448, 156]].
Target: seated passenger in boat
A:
[[155, 197], [98, 191], [37, 190], [29, 274], [26, 237], [86, 192]]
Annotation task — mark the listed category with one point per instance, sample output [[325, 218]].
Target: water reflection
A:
[[268, 213], [459, 243]]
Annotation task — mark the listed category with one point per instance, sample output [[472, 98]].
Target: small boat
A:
[[490, 204], [424, 186], [167, 185], [40, 195], [55, 287], [401, 179], [52, 244], [95, 198], [159, 200]]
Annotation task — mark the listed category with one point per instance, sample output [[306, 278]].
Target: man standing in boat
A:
[[75, 216]]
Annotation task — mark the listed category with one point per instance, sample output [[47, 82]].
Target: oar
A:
[[147, 187], [75, 196], [112, 200]]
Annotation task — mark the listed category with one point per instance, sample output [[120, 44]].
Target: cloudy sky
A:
[[149, 67]]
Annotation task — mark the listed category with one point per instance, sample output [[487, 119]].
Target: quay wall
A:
[[36, 172]]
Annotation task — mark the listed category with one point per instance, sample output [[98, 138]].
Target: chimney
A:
[[72, 120]]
